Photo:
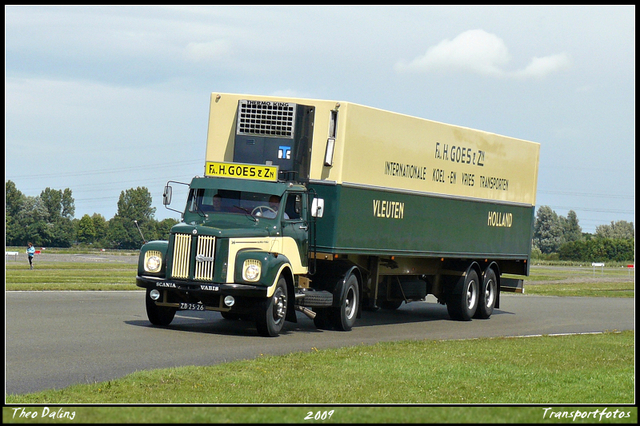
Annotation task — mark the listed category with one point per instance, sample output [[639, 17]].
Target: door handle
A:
[[304, 227]]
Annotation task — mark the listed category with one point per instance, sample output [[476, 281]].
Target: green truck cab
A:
[[239, 250], [328, 208]]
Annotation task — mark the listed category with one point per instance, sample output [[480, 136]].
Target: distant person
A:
[[31, 251]]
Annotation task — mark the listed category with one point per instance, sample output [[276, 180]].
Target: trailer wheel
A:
[[462, 302], [158, 315], [345, 315], [272, 314], [488, 295]]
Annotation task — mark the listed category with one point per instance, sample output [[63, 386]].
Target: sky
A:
[[104, 99]]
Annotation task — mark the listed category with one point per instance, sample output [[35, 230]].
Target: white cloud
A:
[[541, 67], [474, 50], [479, 52]]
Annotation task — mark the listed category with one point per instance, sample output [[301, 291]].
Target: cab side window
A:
[[293, 206]]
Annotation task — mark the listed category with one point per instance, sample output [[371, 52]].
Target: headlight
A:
[[251, 270], [152, 261]]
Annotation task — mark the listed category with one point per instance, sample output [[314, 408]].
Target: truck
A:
[[329, 208]]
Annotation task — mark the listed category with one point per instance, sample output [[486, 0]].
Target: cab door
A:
[[295, 222]]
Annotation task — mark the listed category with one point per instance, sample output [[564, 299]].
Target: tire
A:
[[488, 295], [462, 302], [345, 315], [273, 312], [158, 315]]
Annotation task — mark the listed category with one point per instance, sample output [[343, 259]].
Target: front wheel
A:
[[272, 314], [158, 315], [344, 317]]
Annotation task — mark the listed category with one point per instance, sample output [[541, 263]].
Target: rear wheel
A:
[[158, 315], [462, 302], [272, 314], [488, 295], [344, 317]]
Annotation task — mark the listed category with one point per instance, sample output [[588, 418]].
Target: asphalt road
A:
[[57, 339]]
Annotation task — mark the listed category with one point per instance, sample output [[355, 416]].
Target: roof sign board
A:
[[241, 171]]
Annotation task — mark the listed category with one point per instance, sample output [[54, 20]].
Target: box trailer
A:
[[331, 207]]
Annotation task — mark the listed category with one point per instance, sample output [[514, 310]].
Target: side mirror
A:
[[317, 207], [166, 195]]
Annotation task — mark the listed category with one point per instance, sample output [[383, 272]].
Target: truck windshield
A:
[[233, 202]]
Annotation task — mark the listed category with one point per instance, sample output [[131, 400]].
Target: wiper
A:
[[247, 212], [201, 213]]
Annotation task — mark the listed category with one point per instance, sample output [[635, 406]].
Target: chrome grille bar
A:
[[205, 254], [181, 256]]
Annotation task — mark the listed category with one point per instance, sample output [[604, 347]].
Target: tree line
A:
[[558, 237], [47, 220]]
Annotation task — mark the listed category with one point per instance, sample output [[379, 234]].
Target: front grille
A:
[[181, 256], [204, 257], [266, 118]]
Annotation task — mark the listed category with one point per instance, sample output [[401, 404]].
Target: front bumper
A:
[[207, 288], [209, 294]]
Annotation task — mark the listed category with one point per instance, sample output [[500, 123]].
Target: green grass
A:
[[534, 370], [579, 281], [552, 273], [70, 276], [608, 289]]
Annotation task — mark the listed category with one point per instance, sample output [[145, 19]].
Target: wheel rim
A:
[[350, 303], [471, 295], [489, 294], [279, 305]]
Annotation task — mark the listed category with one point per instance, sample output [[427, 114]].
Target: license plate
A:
[[192, 306]]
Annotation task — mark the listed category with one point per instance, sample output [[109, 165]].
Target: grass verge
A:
[[70, 276], [534, 370], [598, 289], [579, 281]]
